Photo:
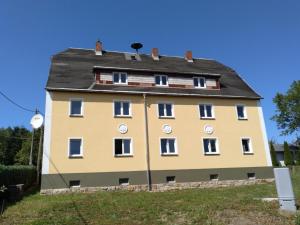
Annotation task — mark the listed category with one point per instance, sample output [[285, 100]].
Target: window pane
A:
[[164, 80], [205, 143], [123, 78], [202, 113], [116, 77], [169, 109], [161, 109], [118, 146], [126, 146], [171, 146], [157, 80], [245, 144], [213, 145], [117, 108], [75, 145], [126, 108], [208, 111], [76, 107], [163, 145], [240, 111], [196, 82], [202, 82]]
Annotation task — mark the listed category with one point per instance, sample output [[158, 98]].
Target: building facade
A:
[[123, 119]]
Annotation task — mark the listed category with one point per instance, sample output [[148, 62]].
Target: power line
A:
[[16, 104]]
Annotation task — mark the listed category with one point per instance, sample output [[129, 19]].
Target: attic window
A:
[[133, 58]]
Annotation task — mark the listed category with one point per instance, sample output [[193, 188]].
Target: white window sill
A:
[[128, 155], [169, 154], [120, 83], [166, 117], [248, 153], [75, 156], [76, 115], [242, 118], [157, 85], [212, 153], [199, 87], [121, 116], [207, 118]]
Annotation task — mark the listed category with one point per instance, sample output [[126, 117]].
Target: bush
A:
[[273, 154], [287, 155], [10, 175]]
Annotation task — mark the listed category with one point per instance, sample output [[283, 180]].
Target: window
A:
[[122, 108], [251, 176], [76, 107], [120, 78], [74, 183], [75, 147], [246, 145], [168, 146], [210, 146], [122, 146], [161, 80], [124, 181], [241, 112], [165, 110], [199, 82], [171, 179], [214, 177], [206, 111]]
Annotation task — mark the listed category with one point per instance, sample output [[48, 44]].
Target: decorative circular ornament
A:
[[123, 128], [167, 129], [208, 129]]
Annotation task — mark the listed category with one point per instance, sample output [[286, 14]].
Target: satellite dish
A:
[[37, 121], [136, 46]]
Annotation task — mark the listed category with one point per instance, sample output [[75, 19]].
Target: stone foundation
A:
[[159, 187]]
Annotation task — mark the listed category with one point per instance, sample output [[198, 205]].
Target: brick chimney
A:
[[155, 54], [98, 49], [189, 56]]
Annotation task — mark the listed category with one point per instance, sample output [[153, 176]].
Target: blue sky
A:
[[259, 39]]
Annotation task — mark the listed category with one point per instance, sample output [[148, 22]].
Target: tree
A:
[[287, 155], [298, 157], [288, 109], [273, 154]]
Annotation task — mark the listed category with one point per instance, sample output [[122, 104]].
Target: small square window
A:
[[165, 110], [251, 176], [124, 181], [199, 82], [122, 147], [206, 111], [241, 112], [120, 78], [76, 107], [74, 183], [161, 80], [171, 179], [214, 177], [75, 147]]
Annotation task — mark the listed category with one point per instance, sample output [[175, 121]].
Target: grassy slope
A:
[[235, 205]]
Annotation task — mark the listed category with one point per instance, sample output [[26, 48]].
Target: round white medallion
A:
[[167, 129], [208, 129], [123, 128]]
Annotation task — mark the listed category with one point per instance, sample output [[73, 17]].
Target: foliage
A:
[[15, 144], [288, 160], [10, 175], [298, 157], [288, 109], [273, 155]]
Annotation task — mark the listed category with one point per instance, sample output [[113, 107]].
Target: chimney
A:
[[189, 56], [98, 49], [155, 54]]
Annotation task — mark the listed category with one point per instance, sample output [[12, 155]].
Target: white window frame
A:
[[168, 150], [245, 112], [70, 107], [81, 148], [165, 111], [217, 146], [119, 80], [199, 82], [160, 82], [250, 145], [122, 114], [205, 111], [123, 154]]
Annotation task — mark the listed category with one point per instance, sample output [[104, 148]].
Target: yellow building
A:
[[116, 119]]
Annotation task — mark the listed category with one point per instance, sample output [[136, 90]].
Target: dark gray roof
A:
[[73, 69], [279, 147]]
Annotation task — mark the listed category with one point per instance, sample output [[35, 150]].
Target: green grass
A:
[[234, 205]]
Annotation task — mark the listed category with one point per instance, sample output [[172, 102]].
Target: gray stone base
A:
[[159, 187]]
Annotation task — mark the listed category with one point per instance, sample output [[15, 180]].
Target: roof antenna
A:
[[136, 46]]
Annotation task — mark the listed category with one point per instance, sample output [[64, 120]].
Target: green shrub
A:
[[287, 155], [298, 157], [10, 175], [273, 155], [297, 220]]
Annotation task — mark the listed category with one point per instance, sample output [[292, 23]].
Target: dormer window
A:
[[120, 78], [199, 82], [161, 80], [133, 57]]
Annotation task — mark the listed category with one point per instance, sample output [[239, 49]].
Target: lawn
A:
[[232, 205]]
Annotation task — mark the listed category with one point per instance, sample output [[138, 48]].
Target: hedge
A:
[[10, 175]]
